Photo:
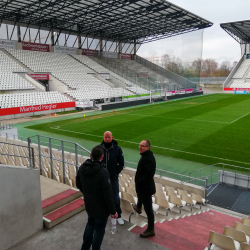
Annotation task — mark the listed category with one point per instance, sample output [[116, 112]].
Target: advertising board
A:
[[35, 47], [39, 76], [65, 50], [8, 44], [36, 108], [126, 56], [90, 52], [84, 104]]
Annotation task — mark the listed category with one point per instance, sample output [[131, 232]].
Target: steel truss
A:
[[122, 21]]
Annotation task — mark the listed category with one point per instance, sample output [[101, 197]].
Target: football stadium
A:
[[71, 70]]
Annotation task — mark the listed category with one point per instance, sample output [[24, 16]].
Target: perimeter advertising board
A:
[[8, 44], [39, 76], [89, 52], [126, 56], [36, 108], [84, 104], [236, 89], [65, 50], [35, 47]]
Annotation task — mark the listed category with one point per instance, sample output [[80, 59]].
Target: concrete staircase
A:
[[188, 232], [62, 206]]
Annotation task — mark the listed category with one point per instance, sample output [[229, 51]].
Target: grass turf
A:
[[207, 129]]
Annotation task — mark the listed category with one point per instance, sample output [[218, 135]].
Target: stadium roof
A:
[[240, 30], [119, 20]]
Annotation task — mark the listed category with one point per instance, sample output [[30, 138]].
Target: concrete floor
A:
[[68, 236]]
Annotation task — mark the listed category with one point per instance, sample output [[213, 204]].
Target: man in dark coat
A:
[[145, 185], [114, 162], [94, 182]]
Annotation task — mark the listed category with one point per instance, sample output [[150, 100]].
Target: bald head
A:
[[107, 137]]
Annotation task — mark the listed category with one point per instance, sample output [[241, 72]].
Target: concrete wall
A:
[[20, 204], [56, 85], [11, 133], [176, 184]]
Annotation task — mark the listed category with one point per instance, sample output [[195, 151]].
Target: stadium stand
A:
[[79, 78], [9, 80], [100, 69], [31, 98], [242, 69]]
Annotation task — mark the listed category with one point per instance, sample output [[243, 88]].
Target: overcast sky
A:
[[217, 43]]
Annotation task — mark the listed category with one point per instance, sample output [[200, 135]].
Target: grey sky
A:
[[217, 43]]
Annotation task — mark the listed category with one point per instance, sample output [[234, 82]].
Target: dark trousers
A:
[[94, 233], [115, 189], [146, 201]]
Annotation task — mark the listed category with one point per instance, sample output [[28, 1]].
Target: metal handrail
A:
[[236, 168], [31, 156]]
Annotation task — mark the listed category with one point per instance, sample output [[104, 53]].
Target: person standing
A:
[[114, 161], [93, 181], [145, 185]]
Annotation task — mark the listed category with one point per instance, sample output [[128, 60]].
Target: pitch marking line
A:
[[180, 118], [239, 118], [154, 146]]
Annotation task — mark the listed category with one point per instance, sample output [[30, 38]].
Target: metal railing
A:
[[63, 147], [211, 172], [31, 157], [5, 126], [57, 150]]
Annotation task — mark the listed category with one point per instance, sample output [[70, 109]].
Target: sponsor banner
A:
[[126, 56], [170, 91], [248, 56], [65, 50], [239, 92], [181, 91], [109, 54], [36, 108], [233, 89], [8, 44], [35, 47], [85, 104], [90, 52], [200, 89], [189, 90], [39, 76]]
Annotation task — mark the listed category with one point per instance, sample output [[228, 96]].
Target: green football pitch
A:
[[207, 129]]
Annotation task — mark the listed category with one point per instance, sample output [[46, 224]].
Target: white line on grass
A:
[[239, 118], [180, 118], [154, 146]]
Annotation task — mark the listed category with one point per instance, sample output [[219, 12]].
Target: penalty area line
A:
[[154, 146]]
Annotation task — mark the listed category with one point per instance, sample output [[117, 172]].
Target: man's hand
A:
[[114, 216]]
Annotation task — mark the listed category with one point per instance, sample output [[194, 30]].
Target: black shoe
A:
[[137, 210], [148, 233]]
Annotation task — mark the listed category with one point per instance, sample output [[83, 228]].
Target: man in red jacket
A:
[[94, 182]]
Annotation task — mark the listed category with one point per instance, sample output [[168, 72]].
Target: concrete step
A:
[[60, 200], [63, 213]]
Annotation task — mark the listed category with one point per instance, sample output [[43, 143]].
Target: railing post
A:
[[29, 152], [33, 157], [64, 177], [39, 152], [51, 160], [235, 175], [248, 180], [206, 189], [76, 155]]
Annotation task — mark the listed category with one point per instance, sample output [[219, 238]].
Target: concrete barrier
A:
[[20, 204]]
